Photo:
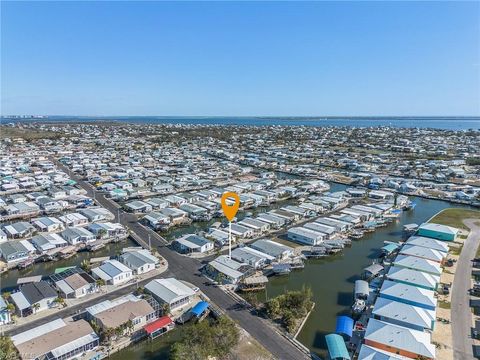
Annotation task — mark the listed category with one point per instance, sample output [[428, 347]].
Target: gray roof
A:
[[35, 292]]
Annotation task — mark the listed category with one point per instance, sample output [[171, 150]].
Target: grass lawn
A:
[[444, 304], [454, 216], [28, 134]]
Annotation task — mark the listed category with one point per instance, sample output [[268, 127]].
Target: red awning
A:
[[157, 324]]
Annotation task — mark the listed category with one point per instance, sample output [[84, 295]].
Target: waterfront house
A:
[[191, 243], [371, 353], [176, 216], [438, 231], [288, 216], [275, 222], [399, 340], [252, 257], [107, 230], [195, 212], [77, 235], [402, 314], [226, 270], [98, 213], [305, 236], [419, 264], [256, 224], [47, 224], [21, 229], [272, 248], [423, 252], [157, 203], [408, 294], [242, 231], [170, 291], [219, 236], [74, 283], [74, 219], [48, 204], [138, 207], [24, 208], [428, 243], [59, 339], [327, 231], [14, 251], [113, 272], [46, 242], [412, 277], [33, 297], [156, 220], [140, 260], [118, 313]]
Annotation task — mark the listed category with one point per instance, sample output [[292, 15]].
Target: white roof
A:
[[370, 353], [414, 341], [418, 278], [108, 304], [397, 311], [428, 243], [439, 228], [169, 290], [423, 252], [20, 300], [410, 293], [416, 263]]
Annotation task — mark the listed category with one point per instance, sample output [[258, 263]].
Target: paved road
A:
[[185, 268], [460, 306]]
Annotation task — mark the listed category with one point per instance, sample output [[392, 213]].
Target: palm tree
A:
[[35, 307], [6, 295], [130, 326], [85, 265], [100, 282], [60, 301], [165, 308]]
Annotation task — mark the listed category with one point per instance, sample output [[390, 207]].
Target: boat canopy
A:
[[199, 308], [344, 326], [361, 288], [336, 347], [390, 248]]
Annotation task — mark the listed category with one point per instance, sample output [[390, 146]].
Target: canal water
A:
[[8, 280], [331, 279]]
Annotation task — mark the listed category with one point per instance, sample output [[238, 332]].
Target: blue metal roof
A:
[[344, 326], [336, 347], [199, 308]]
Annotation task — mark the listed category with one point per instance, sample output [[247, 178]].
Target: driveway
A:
[[460, 305]]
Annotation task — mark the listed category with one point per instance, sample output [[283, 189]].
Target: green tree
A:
[[35, 307], [100, 282], [8, 351], [6, 295], [85, 265], [165, 308]]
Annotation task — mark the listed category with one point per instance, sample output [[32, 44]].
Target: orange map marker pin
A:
[[230, 210]]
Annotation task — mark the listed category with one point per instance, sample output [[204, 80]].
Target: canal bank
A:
[[8, 280], [332, 279]]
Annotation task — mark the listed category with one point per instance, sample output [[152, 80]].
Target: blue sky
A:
[[241, 58]]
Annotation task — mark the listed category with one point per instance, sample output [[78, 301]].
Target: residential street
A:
[[184, 268], [460, 306]]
